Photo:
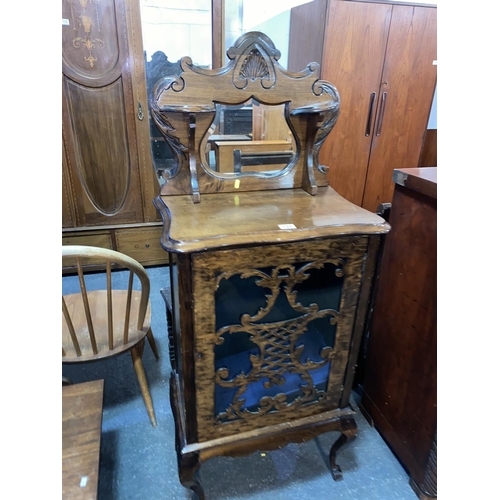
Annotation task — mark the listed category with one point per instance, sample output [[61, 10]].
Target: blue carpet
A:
[[138, 462]]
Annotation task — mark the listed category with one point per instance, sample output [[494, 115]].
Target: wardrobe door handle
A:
[[370, 114], [381, 114]]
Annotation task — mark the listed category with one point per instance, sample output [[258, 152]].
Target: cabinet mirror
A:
[[251, 138]]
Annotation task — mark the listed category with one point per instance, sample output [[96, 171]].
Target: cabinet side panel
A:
[[399, 389], [408, 81], [353, 55]]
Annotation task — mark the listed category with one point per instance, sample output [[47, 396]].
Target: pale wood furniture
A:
[[108, 178], [272, 273], [81, 439], [106, 322], [400, 383], [382, 58]]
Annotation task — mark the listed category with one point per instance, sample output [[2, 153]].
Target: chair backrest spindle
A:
[[86, 305], [109, 326], [110, 304], [71, 329], [127, 310]]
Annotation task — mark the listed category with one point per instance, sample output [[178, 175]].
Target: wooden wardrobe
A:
[[108, 179], [382, 58]]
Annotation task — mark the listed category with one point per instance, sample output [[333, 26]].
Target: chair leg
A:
[[152, 343], [143, 383]]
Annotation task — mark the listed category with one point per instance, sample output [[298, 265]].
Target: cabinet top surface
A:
[[275, 216], [422, 180]]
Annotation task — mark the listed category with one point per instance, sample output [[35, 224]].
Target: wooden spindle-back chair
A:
[[102, 323]]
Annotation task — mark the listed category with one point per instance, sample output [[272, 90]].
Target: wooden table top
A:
[[274, 216], [423, 179], [81, 439]]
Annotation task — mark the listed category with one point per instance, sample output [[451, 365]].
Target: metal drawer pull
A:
[[370, 114], [381, 114]]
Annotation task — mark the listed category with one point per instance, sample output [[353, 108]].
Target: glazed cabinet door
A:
[[406, 94], [353, 55], [100, 115], [272, 332]]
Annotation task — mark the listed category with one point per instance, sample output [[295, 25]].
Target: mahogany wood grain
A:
[[217, 221], [354, 49], [421, 180], [98, 114], [149, 183], [399, 387], [68, 209], [428, 155], [81, 439], [409, 80], [308, 20]]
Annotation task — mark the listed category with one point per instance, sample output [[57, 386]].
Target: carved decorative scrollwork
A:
[[253, 60], [280, 343], [175, 84], [329, 119]]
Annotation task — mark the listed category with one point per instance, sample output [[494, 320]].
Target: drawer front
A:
[[273, 327], [142, 245], [101, 239]]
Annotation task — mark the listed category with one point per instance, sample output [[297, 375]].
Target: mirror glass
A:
[[170, 31], [249, 138]]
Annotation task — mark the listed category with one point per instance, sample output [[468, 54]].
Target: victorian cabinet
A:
[[382, 58], [273, 269], [108, 177]]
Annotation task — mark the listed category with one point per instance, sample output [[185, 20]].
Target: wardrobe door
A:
[[353, 56], [99, 133], [407, 90]]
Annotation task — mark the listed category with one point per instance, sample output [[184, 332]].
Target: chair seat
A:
[[98, 303]]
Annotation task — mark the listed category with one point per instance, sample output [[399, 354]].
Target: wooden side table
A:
[[81, 439]]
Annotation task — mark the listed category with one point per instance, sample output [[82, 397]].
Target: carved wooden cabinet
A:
[[108, 177], [273, 269], [382, 58]]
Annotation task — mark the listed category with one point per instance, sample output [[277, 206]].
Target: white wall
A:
[[178, 28]]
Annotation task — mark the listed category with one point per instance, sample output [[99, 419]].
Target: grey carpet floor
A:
[[138, 462]]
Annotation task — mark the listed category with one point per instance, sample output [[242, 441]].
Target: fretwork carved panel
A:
[[272, 331]]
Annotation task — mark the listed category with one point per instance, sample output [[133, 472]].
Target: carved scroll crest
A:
[[253, 57]]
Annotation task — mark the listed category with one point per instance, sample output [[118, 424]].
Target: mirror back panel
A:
[[250, 125]]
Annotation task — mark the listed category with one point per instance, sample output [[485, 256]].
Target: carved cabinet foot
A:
[[188, 474], [349, 432]]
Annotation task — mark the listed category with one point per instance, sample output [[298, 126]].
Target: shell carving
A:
[[254, 67]]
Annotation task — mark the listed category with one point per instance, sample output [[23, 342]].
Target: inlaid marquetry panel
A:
[[283, 355], [90, 44]]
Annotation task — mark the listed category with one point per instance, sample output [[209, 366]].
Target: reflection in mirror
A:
[[249, 138], [171, 30]]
